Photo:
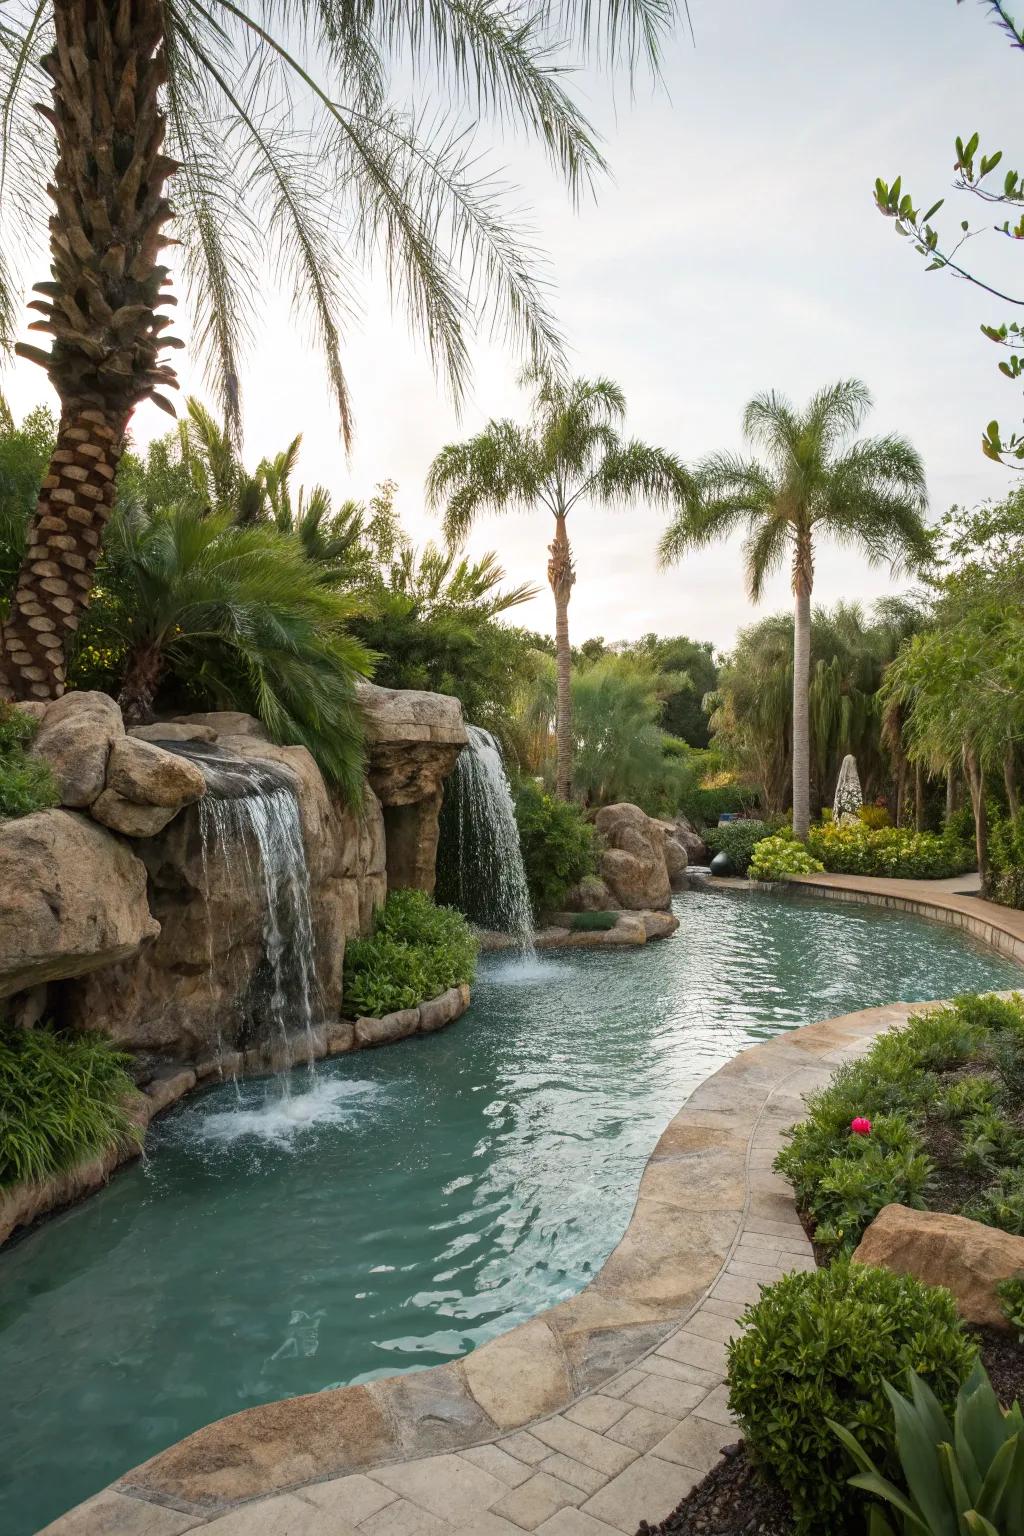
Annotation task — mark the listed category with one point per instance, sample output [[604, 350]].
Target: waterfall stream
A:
[[480, 864]]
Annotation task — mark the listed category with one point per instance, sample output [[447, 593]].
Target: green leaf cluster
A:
[[964, 1479], [738, 839], [559, 846], [63, 1098], [821, 1346], [842, 1180], [894, 851], [416, 951], [26, 783], [775, 858], [1011, 1297]]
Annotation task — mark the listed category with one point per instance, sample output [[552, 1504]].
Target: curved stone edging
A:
[[708, 1178], [26, 1203]]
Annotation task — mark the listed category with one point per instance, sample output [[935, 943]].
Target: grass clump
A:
[[63, 1098], [593, 922], [416, 951], [26, 783], [821, 1346]]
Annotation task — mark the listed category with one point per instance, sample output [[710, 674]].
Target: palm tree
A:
[[569, 452], [869, 493], [236, 615], [143, 92]]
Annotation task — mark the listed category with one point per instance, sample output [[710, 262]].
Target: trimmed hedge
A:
[[894, 851]]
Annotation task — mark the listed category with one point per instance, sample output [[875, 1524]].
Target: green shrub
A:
[[894, 851], [704, 806], [967, 1476], [820, 1346], [875, 816], [26, 783], [775, 858], [1002, 1203], [738, 839], [417, 950], [63, 1098], [1011, 1297], [593, 922], [559, 847]]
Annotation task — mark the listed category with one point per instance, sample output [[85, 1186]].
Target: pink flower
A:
[[860, 1126]]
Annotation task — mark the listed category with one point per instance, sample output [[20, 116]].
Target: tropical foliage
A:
[[737, 839], [26, 783], [64, 1097], [967, 1475], [571, 453], [888, 851], [776, 858], [559, 846], [417, 951], [820, 1347], [814, 482]]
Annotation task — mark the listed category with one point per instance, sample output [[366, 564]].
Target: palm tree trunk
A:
[[141, 681], [802, 579], [1010, 780], [901, 789], [950, 790], [561, 575], [918, 797], [107, 68], [976, 781]]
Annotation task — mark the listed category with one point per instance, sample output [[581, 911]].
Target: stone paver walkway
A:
[[627, 1449]]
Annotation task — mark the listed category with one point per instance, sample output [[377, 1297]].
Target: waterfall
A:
[[480, 866], [249, 820]]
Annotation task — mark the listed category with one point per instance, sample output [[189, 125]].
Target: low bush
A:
[[774, 858], [26, 783], [821, 1346], [416, 951], [910, 1085], [703, 805], [875, 816], [738, 839], [559, 847], [63, 1098], [1011, 1299], [857, 849], [593, 922]]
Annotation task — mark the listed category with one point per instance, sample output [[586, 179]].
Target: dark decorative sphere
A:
[[721, 864]]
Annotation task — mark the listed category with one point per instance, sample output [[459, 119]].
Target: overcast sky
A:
[[735, 249]]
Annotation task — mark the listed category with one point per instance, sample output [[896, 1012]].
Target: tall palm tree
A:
[[570, 451], [868, 493], [201, 92]]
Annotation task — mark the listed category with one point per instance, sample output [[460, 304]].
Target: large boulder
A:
[[633, 863], [694, 846], [589, 895], [76, 735], [412, 742], [675, 856], [968, 1258], [74, 899], [146, 787]]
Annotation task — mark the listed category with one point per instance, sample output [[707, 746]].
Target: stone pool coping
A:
[[631, 928], [607, 1407]]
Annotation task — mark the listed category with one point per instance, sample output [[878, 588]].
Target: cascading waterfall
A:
[[480, 863], [250, 818]]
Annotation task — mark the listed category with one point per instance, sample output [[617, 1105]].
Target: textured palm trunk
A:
[[561, 576], [976, 783], [918, 798], [951, 796], [140, 684], [1010, 780], [803, 578], [100, 307]]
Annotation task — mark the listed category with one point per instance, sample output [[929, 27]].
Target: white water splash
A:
[[280, 1120]]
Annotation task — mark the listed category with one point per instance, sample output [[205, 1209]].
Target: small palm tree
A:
[[236, 614], [869, 493], [570, 452]]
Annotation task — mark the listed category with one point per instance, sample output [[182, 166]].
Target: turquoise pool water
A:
[[412, 1201]]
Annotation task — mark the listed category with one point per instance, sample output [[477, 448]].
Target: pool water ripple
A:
[[411, 1202]]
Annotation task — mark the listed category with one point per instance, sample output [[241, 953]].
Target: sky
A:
[[734, 248]]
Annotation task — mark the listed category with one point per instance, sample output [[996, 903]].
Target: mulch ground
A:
[[1003, 1357], [733, 1500]]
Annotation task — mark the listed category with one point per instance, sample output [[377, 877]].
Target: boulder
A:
[[224, 722], [146, 774], [968, 1258], [128, 818], [413, 740], [694, 846], [75, 738], [74, 899], [173, 730], [633, 865], [675, 856], [590, 895]]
